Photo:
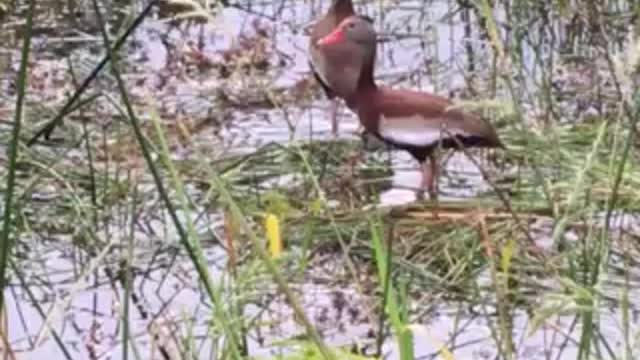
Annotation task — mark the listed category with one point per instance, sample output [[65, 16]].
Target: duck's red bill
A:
[[335, 37]]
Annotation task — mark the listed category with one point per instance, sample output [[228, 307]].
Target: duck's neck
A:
[[366, 88], [366, 81], [342, 8]]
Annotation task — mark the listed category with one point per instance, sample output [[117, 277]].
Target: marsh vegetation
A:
[[137, 230]]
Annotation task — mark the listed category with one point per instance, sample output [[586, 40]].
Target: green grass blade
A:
[[7, 222]]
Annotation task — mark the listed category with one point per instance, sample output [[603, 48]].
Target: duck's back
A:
[[407, 117]]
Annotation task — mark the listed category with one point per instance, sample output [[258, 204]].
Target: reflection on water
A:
[[184, 73]]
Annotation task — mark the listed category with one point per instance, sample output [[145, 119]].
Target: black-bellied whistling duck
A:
[[417, 122], [337, 74]]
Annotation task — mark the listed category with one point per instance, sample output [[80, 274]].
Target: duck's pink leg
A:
[[430, 176], [334, 117], [430, 180], [427, 177]]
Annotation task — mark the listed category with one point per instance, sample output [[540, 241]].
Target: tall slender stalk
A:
[[127, 282], [273, 271], [192, 250], [5, 241], [394, 305]]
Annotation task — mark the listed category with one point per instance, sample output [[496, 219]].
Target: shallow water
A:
[[427, 52]]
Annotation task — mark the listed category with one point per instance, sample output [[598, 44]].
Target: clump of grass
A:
[[572, 181]]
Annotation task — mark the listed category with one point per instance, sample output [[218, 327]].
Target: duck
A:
[[414, 121], [336, 74]]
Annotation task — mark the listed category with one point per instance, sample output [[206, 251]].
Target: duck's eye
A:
[[351, 25]]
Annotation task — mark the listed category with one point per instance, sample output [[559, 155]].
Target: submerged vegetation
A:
[[190, 203]]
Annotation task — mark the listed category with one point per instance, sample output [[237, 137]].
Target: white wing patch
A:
[[415, 130]]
